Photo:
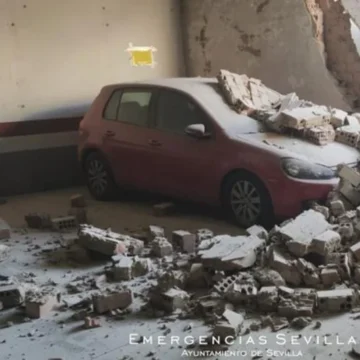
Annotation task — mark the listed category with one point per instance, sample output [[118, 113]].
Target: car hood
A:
[[329, 155]]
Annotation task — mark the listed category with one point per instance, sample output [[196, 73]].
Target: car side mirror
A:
[[197, 130]]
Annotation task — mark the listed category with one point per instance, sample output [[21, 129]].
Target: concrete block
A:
[[336, 300], [198, 277], [170, 300], [324, 210], [284, 265], [123, 269], [111, 299], [134, 246], [164, 209], [229, 325], [259, 231], [268, 298], [203, 234], [64, 223], [348, 135], [154, 232], [306, 117], [242, 294], [298, 303], [161, 247], [77, 201], [342, 262], [225, 252], [224, 285], [185, 240], [268, 277], [90, 323], [80, 214], [338, 118], [298, 233], [337, 207], [325, 243], [102, 241], [39, 305], [355, 250], [308, 271], [38, 221], [348, 216], [320, 135], [330, 277], [11, 295], [348, 174], [172, 279], [278, 323], [346, 230], [141, 266], [350, 193]]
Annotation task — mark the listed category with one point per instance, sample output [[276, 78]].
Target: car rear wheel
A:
[[99, 177], [248, 201]]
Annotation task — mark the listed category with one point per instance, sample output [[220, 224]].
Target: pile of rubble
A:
[[289, 114], [306, 266]]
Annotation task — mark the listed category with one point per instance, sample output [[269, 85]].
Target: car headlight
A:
[[301, 169]]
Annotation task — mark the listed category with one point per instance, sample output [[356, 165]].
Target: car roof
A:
[[205, 91]]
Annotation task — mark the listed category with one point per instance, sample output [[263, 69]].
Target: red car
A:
[[178, 137]]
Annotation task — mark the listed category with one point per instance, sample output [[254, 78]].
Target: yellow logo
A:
[[141, 55]]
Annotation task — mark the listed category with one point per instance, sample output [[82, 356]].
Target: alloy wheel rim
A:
[[97, 177], [245, 202]]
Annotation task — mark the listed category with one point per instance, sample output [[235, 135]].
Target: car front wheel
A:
[[99, 178], [248, 201]]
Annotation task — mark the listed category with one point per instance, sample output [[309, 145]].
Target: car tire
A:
[[247, 200], [99, 177]]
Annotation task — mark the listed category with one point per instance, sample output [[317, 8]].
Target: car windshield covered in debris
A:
[[228, 141]]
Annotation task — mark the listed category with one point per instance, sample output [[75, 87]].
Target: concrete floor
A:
[[55, 337]]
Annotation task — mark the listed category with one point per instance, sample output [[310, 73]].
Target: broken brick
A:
[[111, 299], [185, 240], [161, 247]]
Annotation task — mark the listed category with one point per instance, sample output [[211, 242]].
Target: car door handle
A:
[[154, 143], [109, 133]]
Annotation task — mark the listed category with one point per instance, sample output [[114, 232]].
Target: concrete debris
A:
[[4, 252], [161, 247], [38, 221], [39, 304], [77, 201], [225, 252], [342, 262], [259, 231], [172, 279], [242, 294], [284, 264], [355, 250], [229, 325], [122, 270], [198, 277], [308, 271], [268, 298], [325, 243], [296, 303], [90, 323], [336, 300], [111, 299], [330, 277], [102, 241], [278, 323], [300, 323], [80, 214], [64, 223], [169, 300], [268, 277], [298, 233], [203, 234], [5, 232], [11, 295], [154, 231], [348, 135], [185, 240]]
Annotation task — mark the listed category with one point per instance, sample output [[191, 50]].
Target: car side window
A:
[[134, 107], [131, 106], [111, 108], [176, 111]]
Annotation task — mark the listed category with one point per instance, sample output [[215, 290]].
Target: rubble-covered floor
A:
[[37, 258]]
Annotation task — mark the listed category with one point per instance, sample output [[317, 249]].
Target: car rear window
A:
[[111, 108]]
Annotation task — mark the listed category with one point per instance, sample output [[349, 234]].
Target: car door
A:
[[126, 136], [186, 166]]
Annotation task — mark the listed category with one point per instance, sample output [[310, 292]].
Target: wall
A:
[[276, 41], [55, 57]]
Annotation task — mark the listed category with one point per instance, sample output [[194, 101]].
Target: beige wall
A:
[[274, 40], [55, 55]]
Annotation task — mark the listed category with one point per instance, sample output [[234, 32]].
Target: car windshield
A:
[[226, 117]]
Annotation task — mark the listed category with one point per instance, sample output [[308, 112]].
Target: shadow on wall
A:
[[62, 119]]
